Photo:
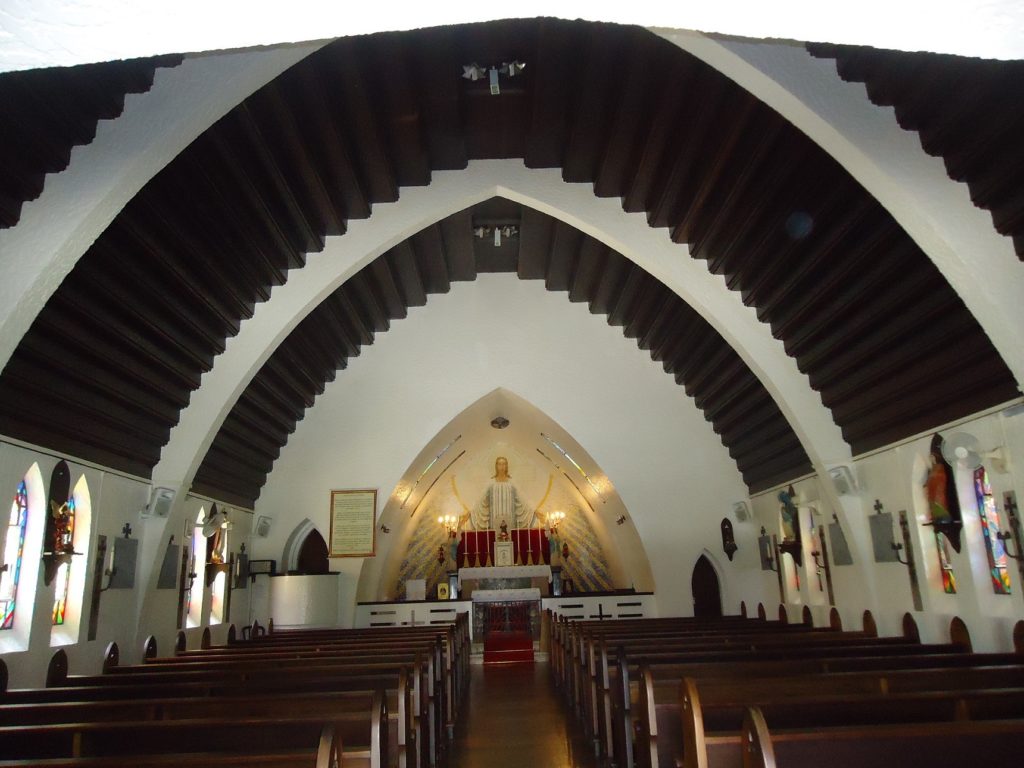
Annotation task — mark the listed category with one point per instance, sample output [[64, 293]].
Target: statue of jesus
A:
[[501, 503]]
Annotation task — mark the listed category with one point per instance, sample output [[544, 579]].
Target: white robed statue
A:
[[501, 503]]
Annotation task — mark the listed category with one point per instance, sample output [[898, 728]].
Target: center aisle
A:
[[514, 718]]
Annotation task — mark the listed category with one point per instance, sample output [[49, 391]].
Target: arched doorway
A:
[[313, 554], [707, 596]]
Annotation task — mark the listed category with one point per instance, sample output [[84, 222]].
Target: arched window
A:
[[217, 554], [14, 549], [60, 594], [69, 594], [194, 612], [989, 515], [22, 539]]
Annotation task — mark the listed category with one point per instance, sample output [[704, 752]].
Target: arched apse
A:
[[447, 476], [369, 426]]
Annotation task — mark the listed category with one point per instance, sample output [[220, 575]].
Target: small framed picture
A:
[[442, 591]]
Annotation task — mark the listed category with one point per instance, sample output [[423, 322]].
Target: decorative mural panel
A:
[[521, 491]]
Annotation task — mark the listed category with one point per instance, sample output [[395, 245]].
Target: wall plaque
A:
[[353, 529]]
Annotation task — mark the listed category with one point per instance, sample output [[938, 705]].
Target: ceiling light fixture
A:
[[474, 72], [507, 231]]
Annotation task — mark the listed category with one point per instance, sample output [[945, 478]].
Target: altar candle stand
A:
[[465, 549], [476, 549], [529, 546]]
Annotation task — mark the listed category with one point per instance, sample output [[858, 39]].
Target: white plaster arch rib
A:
[[452, 191], [889, 162], [75, 206]]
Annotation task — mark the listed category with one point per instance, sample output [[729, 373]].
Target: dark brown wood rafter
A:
[[865, 314], [45, 113], [310, 357], [967, 111]]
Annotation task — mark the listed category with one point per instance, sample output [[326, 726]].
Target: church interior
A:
[[520, 339]]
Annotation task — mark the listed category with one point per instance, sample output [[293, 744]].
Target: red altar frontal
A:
[[529, 547]]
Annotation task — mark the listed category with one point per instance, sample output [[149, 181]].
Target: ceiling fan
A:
[[217, 519], [963, 449]]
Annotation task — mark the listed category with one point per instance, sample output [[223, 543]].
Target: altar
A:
[[529, 547], [508, 621]]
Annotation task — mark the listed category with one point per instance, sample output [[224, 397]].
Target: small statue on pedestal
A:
[[503, 536]]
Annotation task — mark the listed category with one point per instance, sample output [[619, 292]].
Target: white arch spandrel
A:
[[452, 191], [56, 229], [959, 238]]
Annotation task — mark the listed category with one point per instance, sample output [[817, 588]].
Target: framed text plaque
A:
[[353, 518]]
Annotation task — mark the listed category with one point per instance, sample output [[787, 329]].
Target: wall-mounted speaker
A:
[[160, 500], [741, 510], [843, 480], [263, 526]]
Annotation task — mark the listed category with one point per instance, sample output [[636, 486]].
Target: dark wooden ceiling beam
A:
[[436, 73], [457, 246], [296, 165], [353, 108], [340, 178], [668, 117], [562, 257]]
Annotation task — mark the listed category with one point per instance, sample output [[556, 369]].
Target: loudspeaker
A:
[[843, 480], [160, 500], [263, 527]]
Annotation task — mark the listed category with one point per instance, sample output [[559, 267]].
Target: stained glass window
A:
[[989, 515], [60, 602], [13, 550]]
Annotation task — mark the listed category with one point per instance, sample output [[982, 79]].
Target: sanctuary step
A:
[[508, 648]]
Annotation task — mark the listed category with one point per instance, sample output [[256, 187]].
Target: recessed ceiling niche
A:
[[549, 468]]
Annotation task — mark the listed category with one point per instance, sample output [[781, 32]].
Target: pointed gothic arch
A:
[[706, 589]]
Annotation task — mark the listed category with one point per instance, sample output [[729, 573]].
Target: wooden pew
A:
[[332, 706], [717, 710], [937, 745], [426, 706], [251, 738], [404, 690], [607, 685], [656, 709]]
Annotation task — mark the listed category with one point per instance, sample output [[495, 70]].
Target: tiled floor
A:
[[514, 717]]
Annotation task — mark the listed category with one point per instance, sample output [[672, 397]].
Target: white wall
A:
[[895, 476], [115, 500], [670, 469]]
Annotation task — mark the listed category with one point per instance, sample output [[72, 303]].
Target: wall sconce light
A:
[[554, 519], [728, 541], [385, 529], [620, 519], [450, 523]]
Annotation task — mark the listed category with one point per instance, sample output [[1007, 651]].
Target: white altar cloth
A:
[[508, 572], [503, 595]]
